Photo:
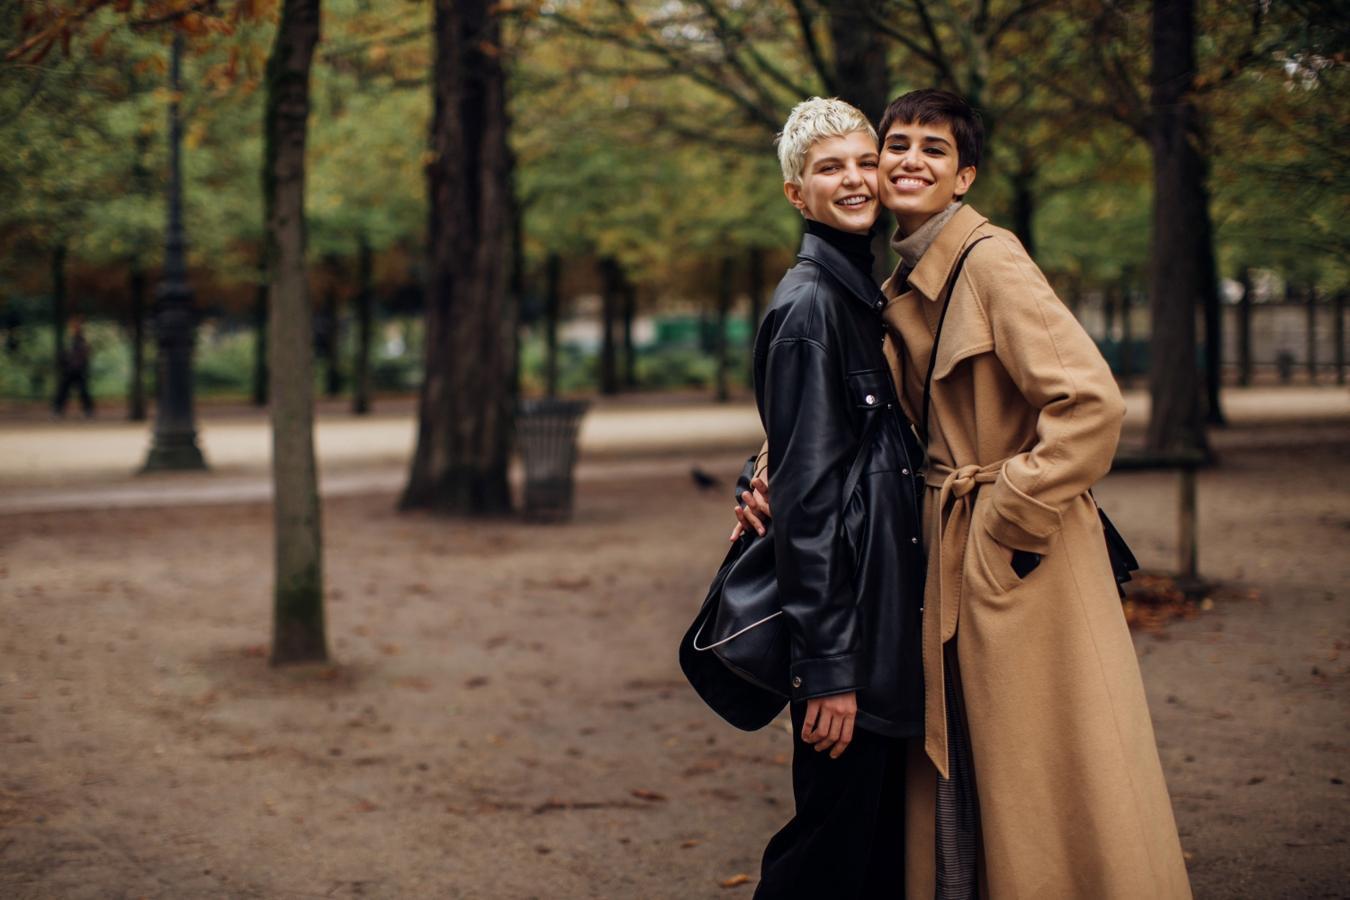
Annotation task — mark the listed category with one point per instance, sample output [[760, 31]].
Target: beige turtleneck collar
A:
[[911, 249]]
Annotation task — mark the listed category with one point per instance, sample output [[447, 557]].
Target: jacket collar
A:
[[930, 275], [825, 255]]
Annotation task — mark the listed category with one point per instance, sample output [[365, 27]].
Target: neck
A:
[[816, 225], [857, 247]]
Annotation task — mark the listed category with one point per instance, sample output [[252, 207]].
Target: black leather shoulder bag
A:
[[736, 652]]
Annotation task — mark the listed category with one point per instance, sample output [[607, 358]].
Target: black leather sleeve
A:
[[743, 482], [810, 449]]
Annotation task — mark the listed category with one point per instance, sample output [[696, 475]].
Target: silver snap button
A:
[[904, 471], [796, 681], [913, 540], [870, 400]]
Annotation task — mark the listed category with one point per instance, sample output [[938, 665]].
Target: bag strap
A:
[[942, 318], [855, 470]]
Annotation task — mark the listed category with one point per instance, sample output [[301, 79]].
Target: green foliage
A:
[[652, 145]]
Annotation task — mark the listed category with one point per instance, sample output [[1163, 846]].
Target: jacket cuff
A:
[[825, 675], [1018, 520], [743, 482]]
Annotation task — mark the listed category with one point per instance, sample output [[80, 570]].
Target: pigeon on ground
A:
[[704, 481]]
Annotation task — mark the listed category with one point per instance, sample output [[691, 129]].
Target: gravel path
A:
[[505, 717]]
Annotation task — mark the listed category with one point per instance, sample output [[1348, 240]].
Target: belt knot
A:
[[963, 480]]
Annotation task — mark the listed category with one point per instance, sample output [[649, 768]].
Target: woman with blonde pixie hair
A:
[[845, 527]]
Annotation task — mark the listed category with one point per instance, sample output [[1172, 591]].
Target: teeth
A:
[[853, 201], [910, 182]]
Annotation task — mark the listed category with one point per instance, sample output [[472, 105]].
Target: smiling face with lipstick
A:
[[837, 182], [922, 169]]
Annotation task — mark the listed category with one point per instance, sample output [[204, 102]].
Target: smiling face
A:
[[920, 172], [839, 183]]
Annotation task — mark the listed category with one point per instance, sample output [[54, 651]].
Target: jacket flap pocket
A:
[[965, 333], [868, 389]]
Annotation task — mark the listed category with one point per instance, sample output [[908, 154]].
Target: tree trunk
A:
[[329, 331], [1213, 306], [1126, 332], [1024, 204], [142, 183], [1110, 306], [861, 77], [1244, 337], [1177, 271], [552, 308], [1338, 335], [298, 623], [611, 283], [629, 351], [260, 340], [725, 287], [1311, 299], [58, 262], [466, 412], [365, 312], [136, 387], [755, 279]]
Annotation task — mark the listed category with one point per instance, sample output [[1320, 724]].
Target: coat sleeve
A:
[[1061, 373], [810, 449]]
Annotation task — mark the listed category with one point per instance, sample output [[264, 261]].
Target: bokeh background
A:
[[280, 616]]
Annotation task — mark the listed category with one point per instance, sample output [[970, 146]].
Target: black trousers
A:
[[847, 839]]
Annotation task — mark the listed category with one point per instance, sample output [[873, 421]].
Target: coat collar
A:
[[930, 275], [825, 255]]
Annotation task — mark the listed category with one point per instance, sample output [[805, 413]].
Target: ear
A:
[[964, 179], [794, 194]]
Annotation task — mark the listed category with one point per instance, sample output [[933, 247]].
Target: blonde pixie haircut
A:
[[810, 121]]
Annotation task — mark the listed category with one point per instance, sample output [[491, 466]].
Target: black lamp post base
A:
[[175, 456]]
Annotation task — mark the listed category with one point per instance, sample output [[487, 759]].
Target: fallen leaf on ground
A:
[[685, 845], [643, 794], [736, 880]]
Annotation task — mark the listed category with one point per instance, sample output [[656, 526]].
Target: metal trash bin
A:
[[547, 431]]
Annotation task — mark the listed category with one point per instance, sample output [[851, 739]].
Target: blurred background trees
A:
[[643, 222]]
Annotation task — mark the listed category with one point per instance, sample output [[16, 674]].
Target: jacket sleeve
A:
[[810, 449], [1061, 373]]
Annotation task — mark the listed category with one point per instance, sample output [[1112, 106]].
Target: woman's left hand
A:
[[829, 722]]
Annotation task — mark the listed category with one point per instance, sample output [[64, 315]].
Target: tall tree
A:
[[365, 315], [298, 619], [611, 290], [1182, 242], [467, 404]]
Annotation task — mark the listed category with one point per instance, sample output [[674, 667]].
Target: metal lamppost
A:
[[174, 444]]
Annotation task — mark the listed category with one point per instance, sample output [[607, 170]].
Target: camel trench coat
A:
[[1025, 416]]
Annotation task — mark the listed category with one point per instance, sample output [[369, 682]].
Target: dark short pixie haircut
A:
[[931, 107]]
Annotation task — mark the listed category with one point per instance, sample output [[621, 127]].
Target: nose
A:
[[852, 174], [912, 159]]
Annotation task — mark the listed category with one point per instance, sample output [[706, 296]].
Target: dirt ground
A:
[[505, 716]]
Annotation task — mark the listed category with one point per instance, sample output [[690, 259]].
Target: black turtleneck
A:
[[857, 247]]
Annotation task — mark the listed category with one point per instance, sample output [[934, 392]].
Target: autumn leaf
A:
[[651, 796], [735, 880]]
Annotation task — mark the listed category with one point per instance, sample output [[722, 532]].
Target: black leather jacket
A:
[[850, 570]]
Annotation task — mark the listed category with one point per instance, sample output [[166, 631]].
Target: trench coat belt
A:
[[956, 502]]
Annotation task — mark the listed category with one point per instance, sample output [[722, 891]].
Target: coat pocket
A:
[[987, 559]]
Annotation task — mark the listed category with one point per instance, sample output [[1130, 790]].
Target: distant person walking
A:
[[75, 372]]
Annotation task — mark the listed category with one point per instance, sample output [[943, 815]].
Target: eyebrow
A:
[[836, 159], [927, 139]]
